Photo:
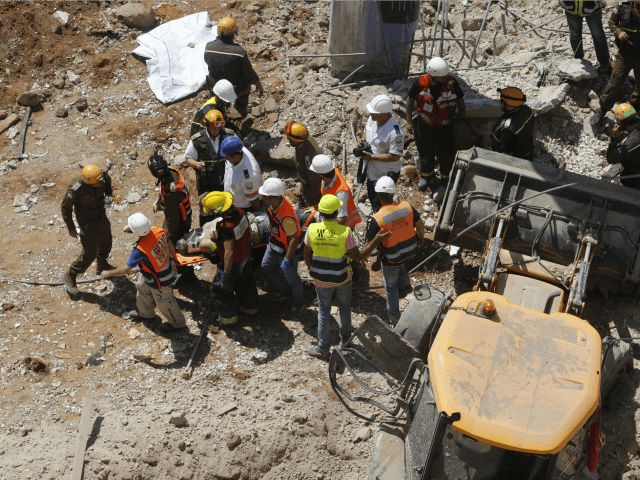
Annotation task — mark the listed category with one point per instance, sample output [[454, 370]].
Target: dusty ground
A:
[[286, 424]]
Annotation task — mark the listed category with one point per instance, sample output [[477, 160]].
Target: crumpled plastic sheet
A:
[[175, 53]]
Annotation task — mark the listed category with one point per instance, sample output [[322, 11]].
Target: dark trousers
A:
[[371, 191], [183, 229], [96, 243], [440, 140], [594, 22], [242, 102], [243, 287], [622, 65]]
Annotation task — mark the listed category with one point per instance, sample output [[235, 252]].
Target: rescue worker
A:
[[625, 25], [229, 61], [386, 138], [242, 175], [175, 201], [203, 155], [624, 147], [232, 241], [576, 11], [407, 228], [333, 183], [326, 247], [440, 100], [280, 261], [154, 253], [223, 96], [513, 134], [306, 148], [87, 196]]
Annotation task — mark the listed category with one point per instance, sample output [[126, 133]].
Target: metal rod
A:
[[484, 22], [542, 24], [529, 21], [424, 45], [442, 27], [435, 28], [504, 24], [23, 132]]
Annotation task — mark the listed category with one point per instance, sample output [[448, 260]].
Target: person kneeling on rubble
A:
[[513, 134], [231, 239], [155, 255], [624, 147], [223, 96], [407, 228]]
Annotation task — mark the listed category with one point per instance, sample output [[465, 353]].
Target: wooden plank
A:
[[83, 435], [7, 122]]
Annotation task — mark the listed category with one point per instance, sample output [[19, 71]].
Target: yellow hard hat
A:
[[92, 175], [214, 118], [296, 132], [512, 96], [329, 204], [227, 26], [624, 111], [217, 202]]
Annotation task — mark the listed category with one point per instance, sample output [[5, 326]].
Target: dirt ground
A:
[[256, 407]]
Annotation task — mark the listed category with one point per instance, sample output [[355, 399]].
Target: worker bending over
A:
[[306, 148], [624, 146], [513, 134], [223, 96]]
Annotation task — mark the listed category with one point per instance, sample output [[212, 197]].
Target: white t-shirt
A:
[[191, 151], [389, 138], [243, 180]]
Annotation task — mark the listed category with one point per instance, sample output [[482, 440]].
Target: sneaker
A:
[[105, 267], [314, 351], [597, 117], [166, 327], [70, 284]]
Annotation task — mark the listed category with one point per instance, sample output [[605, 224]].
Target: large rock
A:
[[136, 15], [471, 24], [577, 69], [549, 98], [275, 150], [315, 63], [62, 17], [30, 99], [483, 108]]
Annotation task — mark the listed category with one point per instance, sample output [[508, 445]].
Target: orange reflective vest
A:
[[279, 241], [241, 236], [157, 267], [179, 186], [403, 243], [436, 112], [340, 185]]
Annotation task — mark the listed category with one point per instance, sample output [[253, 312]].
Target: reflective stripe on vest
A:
[[578, 8], [341, 185], [403, 243], [241, 237], [329, 261], [157, 268], [179, 186], [279, 241], [445, 104]]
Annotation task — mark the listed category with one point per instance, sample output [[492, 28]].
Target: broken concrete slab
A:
[[276, 150], [7, 122], [483, 108], [471, 24], [315, 63], [577, 69], [136, 15], [591, 130], [549, 98], [611, 171]]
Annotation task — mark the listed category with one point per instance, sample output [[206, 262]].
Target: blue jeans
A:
[[343, 293], [395, 279], [286, 283], [594, 22]]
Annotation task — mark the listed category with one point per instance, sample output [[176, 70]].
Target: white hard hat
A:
[[380, 104], [273, 187], [139, 224], [322, 164], [385, 185], [437, 67], [225, 91]]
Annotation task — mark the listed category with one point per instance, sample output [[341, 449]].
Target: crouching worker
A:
[[233, 283], [326, 246], [155, 255]]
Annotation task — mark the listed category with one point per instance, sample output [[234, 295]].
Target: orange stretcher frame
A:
[[189, 260]]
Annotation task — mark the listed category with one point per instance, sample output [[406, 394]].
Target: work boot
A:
[[166, 327], [278, 297], [434, 183], [69, 280], [246, 125], [377, 265], [423, 183], [294, 312], [249, 312], [106, 266], [406, 291], [597, 117], [314, 351]]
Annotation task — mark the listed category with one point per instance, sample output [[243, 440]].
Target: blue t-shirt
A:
[[136, 257]]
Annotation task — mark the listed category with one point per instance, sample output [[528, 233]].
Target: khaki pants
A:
[[148, 298]]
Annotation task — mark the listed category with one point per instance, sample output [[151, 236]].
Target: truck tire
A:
[[417, 322]]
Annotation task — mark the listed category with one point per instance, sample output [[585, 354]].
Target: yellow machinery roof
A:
[[521, 380]]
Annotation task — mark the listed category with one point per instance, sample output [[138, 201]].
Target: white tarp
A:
[[175, 53]]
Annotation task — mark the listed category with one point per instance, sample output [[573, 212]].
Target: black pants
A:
[[432, 140], [243, 287], [371, 191], [183, 229]]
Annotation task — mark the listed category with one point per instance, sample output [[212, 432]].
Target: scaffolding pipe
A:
[[435, 28], [484, 22], [442, 27], [424, 45]]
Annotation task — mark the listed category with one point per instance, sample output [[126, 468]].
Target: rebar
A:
[[542, 24], [442, 27], [435, 28], [484, 22]]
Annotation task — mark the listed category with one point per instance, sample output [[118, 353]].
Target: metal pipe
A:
[[451, 201], [542, 24], [424, 45], [529, 21], [435, 28], [484, 22], [442, 27], [23, 132]]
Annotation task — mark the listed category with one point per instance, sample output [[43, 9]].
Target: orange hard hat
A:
[[227, 26], [296, 132], [512, 96], [214, 118], [624, 111]]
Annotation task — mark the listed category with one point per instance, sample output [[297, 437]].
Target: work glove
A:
[[285, 266], [226, 281]]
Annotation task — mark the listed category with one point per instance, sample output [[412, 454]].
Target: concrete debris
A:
[[362, 435], [178, 420], [73, 78], [38, 59], [429, 224], [21, 200], [590, 130], [133, 333], [94, 359], [179, 160], [483, 108], [577, 69], [314, 63], [270, 105], [549, 98], [276, 150], [84, 131], [3, 114], [611, 171], [62, 17], [62, 112], [233, 441], [227, 408], [58, 83], [81, 104], [7, 122], [136, 15], [30, 99], [471, 24], [23, 431], [133, 197]]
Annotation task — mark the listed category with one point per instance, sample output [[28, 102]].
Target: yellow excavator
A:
[[505, 381]]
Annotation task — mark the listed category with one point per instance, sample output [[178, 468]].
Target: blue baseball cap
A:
[[231, 145]]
